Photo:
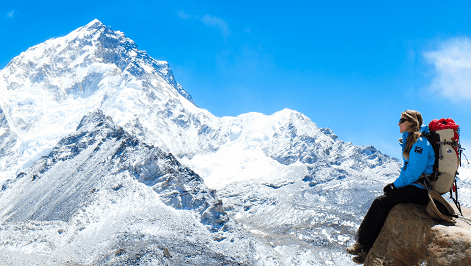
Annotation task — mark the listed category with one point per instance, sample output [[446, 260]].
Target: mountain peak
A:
[[94, 24], [133, 190], [95, 118]]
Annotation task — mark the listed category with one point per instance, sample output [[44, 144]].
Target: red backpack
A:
[[444, 135]]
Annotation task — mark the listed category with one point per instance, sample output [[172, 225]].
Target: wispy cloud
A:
[[452, 61], [210, 21], [10, 14], [183, 15]]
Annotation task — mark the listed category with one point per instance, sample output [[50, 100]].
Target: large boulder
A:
[[411, 237]]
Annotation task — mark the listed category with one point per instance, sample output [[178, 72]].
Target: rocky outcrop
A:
[[411, 237]]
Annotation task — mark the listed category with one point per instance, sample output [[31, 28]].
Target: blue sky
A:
[[350, 66]]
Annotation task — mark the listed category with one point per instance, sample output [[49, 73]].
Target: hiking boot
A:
[[360, 259], [355, 249]]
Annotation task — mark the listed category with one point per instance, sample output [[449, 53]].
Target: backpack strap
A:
[[455, 199]]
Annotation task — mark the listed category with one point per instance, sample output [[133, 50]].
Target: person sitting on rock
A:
[[419, 158]]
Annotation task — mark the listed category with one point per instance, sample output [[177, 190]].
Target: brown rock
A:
[[411, 237]]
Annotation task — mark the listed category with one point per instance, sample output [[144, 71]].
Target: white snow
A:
[[236, 163], [465, 172], [292, 186]]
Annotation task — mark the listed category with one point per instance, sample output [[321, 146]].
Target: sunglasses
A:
[[402, 120]]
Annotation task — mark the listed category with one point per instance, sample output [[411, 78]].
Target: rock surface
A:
[[411, 237]]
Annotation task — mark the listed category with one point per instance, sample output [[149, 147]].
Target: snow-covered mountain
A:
[[47, 90], [103, 197], [106, 160]]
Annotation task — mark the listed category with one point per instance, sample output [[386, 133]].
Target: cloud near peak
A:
[[452, 61], [210, 21]]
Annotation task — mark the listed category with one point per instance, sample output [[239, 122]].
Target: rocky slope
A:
[[103, 197], [151, 178], [411, 237], [49, 88]]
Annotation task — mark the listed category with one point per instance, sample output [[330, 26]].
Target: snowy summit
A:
[[106, 160]]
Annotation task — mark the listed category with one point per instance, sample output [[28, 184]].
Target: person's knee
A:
[[378, 200], [384, 201]]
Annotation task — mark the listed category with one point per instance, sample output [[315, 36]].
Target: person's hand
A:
[[389, 188]]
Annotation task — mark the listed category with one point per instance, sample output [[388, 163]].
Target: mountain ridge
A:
[[91, 67], [100, 174], [100, 143], [91, 114]]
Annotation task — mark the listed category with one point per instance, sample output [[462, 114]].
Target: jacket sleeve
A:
[[418, 158]]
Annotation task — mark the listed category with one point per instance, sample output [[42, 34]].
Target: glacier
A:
[[106, 160]]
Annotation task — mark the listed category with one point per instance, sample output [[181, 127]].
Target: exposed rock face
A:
[[411, 237]]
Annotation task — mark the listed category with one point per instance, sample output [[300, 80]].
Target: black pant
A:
[[379, 210]]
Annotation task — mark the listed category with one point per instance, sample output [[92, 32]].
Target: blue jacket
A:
[[421, 160]]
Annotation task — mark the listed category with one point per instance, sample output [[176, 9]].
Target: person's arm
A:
[[418, 158]]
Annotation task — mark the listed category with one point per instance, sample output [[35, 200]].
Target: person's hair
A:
[[415, 122]]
